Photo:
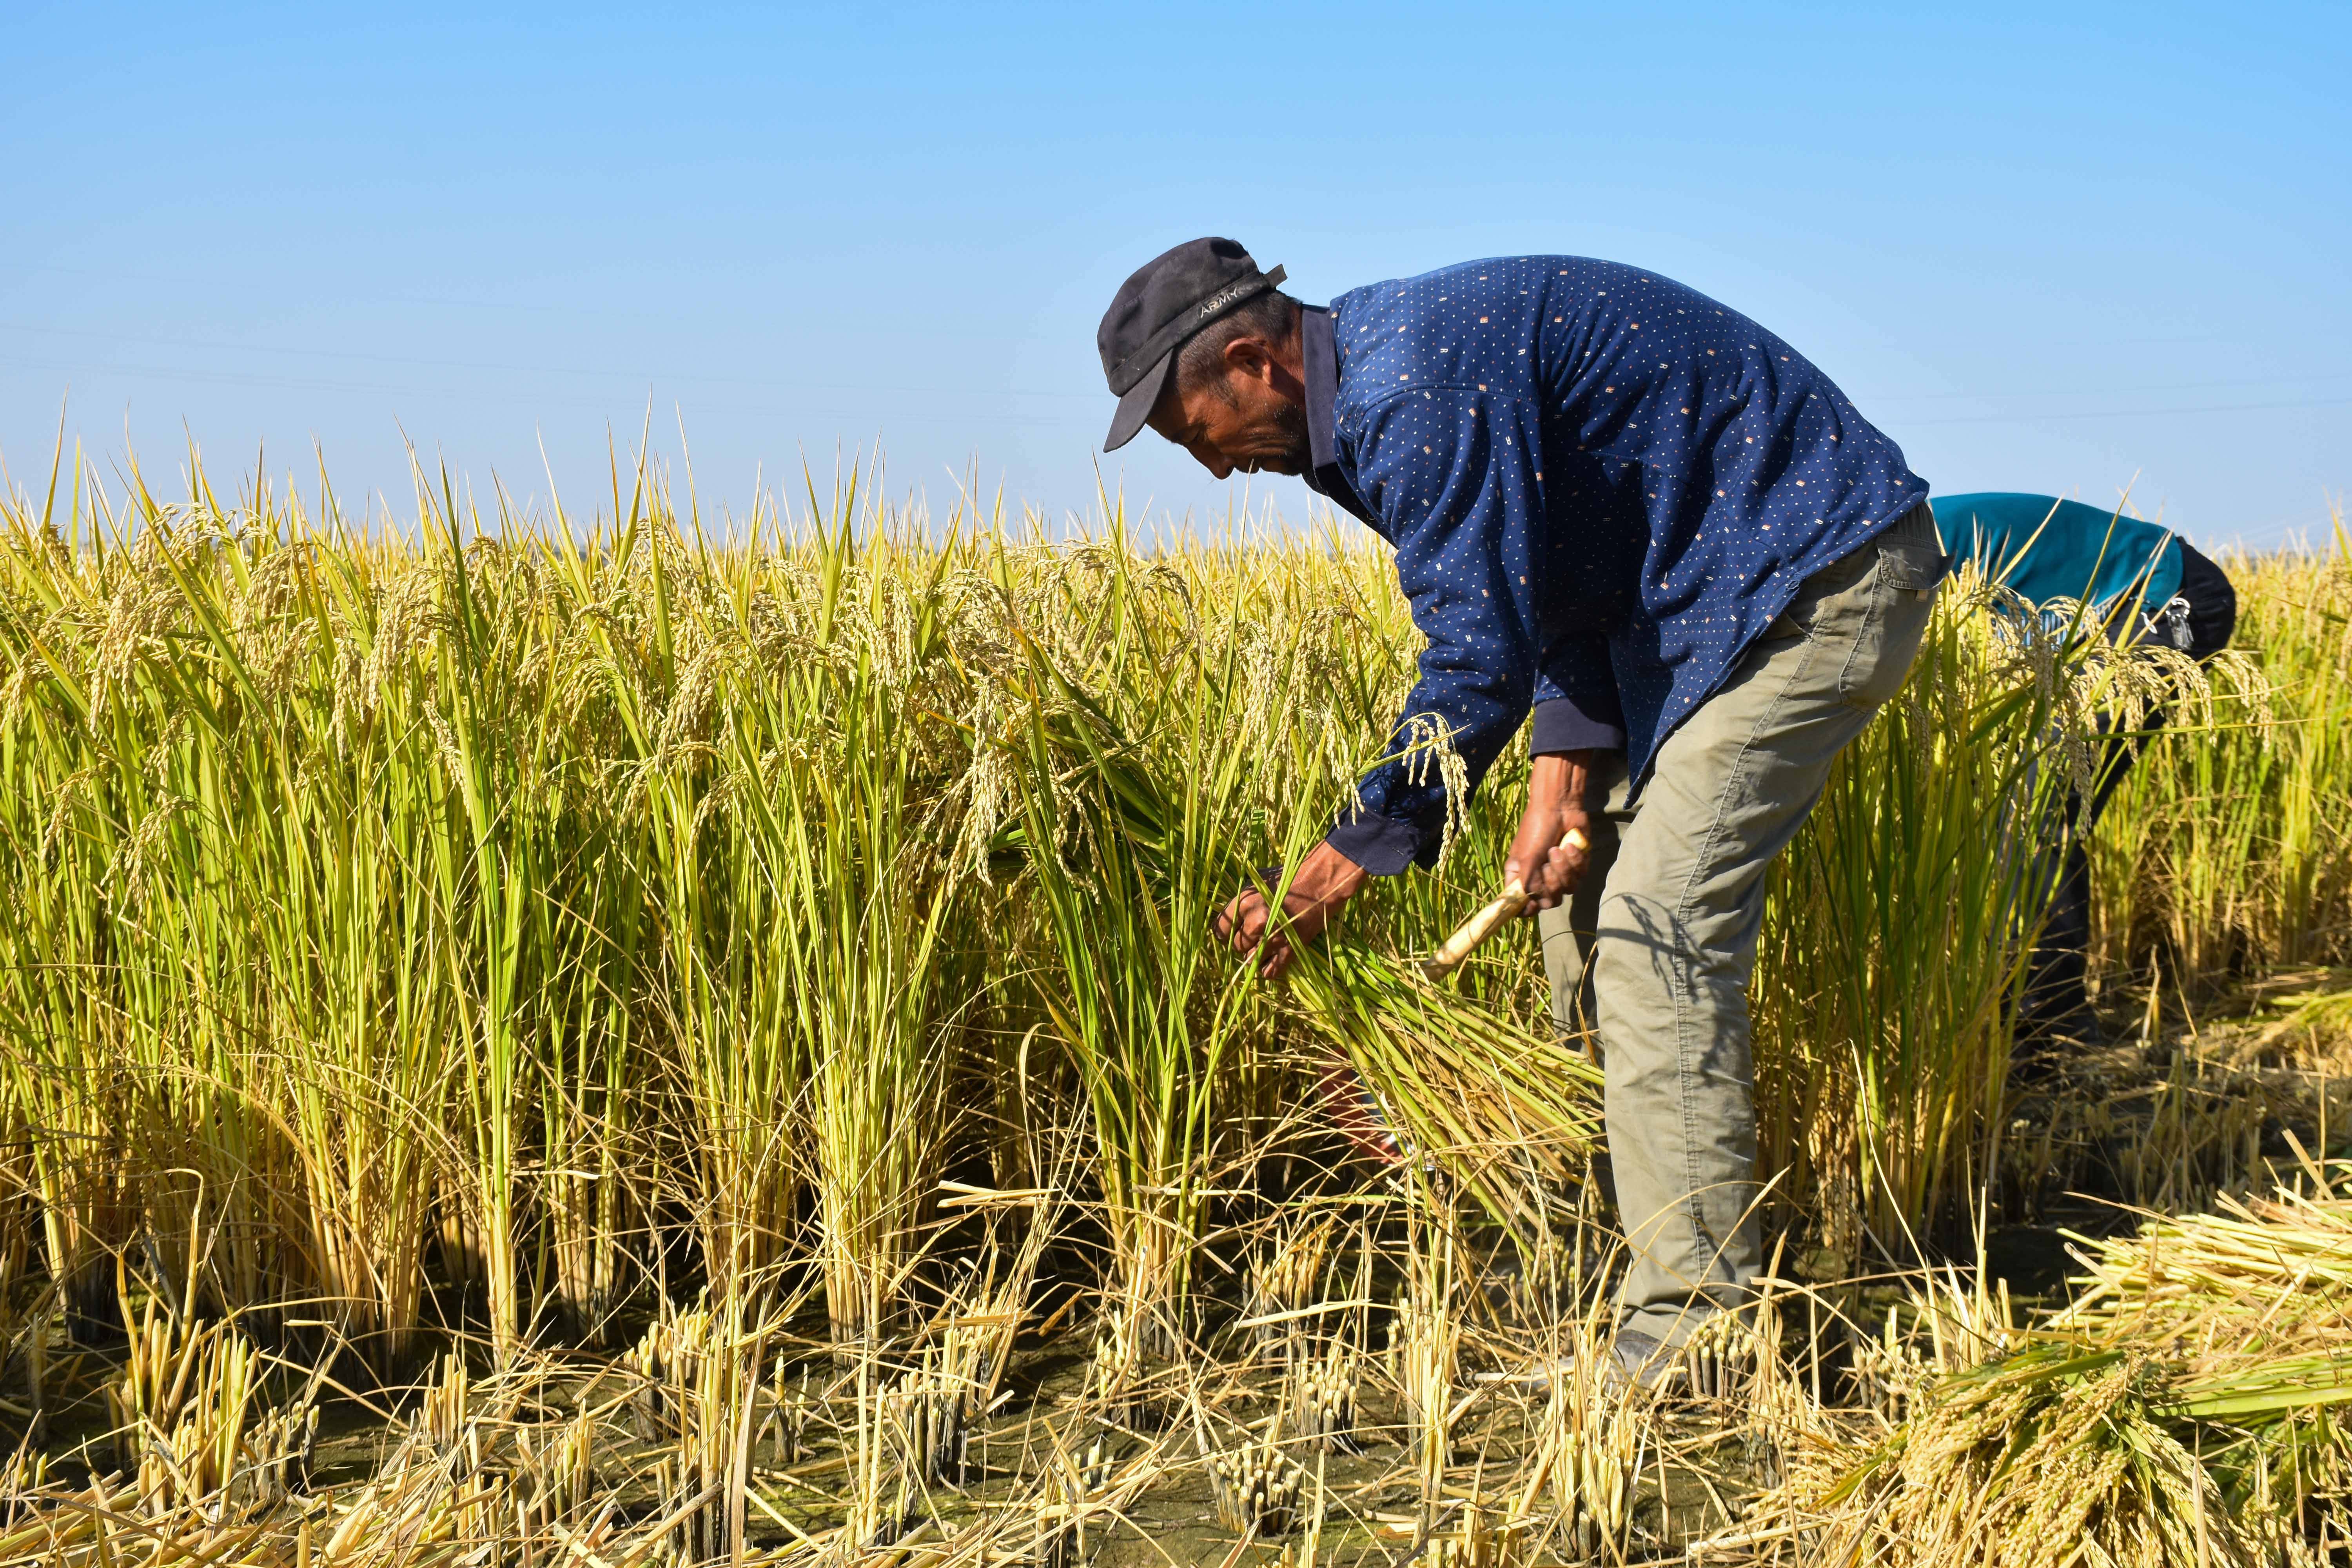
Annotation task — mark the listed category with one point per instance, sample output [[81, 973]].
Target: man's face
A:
[[1254, 419]]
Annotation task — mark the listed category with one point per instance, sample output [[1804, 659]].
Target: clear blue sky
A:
[[2064, 247]]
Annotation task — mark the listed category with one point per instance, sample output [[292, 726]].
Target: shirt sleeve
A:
[[1576, 704], [1454, 477]]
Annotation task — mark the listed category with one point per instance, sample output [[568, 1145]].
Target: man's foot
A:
[[1352, 1108], [1642, 1361], [1635, 1360]]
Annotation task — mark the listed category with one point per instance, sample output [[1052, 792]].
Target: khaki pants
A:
[[1656, 946]]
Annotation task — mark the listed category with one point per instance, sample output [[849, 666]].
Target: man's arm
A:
[[1325, 880], [1559, 800], [1578, 719], [1455, 477]]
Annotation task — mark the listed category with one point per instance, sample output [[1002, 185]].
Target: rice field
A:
[[605, 1036]]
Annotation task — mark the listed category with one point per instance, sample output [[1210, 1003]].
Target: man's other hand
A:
[[1545, 863], [1325, 880]]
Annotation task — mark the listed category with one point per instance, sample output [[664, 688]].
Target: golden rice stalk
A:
[[1592, 1440], [1256, 1488], [2251, 1283], [1504, 1110], [2051, 1458]]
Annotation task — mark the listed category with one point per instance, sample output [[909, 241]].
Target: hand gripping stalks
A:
[[1485, 922]]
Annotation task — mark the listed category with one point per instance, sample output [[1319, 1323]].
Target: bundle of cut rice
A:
[[2183, 1409], [1505, 1110]]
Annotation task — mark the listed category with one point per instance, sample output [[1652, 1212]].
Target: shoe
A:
[[1642, 1361], [1635, 1360]]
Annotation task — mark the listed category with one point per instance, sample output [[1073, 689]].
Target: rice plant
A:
[[2225, 851], [450, 951], [1132, 813]]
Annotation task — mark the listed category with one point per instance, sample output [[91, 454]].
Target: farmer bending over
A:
[[2142, 586], [1635, 512]]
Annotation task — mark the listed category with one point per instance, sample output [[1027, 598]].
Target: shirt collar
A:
[[1319, 350], [1322, 356]]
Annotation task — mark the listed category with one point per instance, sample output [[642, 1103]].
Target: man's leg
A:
[[2055, 1007], [1567, 930], [2055, 1004], [1680, 914]]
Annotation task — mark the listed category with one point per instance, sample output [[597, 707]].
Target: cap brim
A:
[[1136, 407]]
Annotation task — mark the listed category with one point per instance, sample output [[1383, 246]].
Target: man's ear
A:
[[1251, 358]]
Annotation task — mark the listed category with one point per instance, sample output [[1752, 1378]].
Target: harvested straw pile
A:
[[2185, 1408]]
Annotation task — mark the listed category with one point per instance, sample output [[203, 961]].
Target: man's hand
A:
[[1542, 859], [1325, 880]]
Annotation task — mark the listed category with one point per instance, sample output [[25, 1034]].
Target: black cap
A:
[[1169, 298]]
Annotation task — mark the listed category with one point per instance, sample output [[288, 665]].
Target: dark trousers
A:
[[2056, 1001]]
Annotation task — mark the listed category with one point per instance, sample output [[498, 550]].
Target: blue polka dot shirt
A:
[[1601, 485]]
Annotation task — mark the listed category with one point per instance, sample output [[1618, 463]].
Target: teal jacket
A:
[[2045, 548]]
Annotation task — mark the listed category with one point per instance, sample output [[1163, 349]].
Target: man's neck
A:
[[1319, 373], [1292, 359]]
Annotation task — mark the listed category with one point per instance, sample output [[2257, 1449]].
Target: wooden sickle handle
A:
[[1485, 922]]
